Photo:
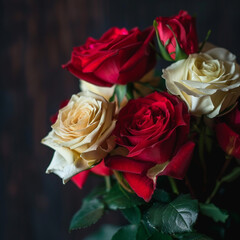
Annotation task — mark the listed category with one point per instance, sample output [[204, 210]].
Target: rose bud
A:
[[182, 28], [154, 130], [118, 57]]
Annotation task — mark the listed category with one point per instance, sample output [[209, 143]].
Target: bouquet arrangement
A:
[[166, 139]]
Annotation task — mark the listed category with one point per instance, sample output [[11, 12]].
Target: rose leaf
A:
[[121, 91], [160, 236], [213, 212], [175, 217], [117, 198], [133, 215], [90, 212], [192, 236], [105, 232], [127, 233]]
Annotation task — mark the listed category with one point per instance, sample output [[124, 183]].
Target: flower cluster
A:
[[136, 125]]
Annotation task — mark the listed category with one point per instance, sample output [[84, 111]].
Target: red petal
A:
[[128, 165], [80, 178], [228, 140], [178, 165], [101, 169], [141, 185]]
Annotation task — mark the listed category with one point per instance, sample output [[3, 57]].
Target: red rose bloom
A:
[[118, 57], [184, 28], [228, 132], [155, 130]]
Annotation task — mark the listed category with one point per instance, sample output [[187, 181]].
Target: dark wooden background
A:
[[36, 37]]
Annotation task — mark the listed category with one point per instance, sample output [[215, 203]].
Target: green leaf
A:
[[132, 232], [192, 236], [126, 233], [90, 212], [161, 196], [104, 233], [133, 215], [232, 176], [117, 198], [121, 91], [174, 217], [95, 193], [180, 54], [130, 88], [213, 212], [162, 49], [111, 99], [160, 236], [142, 232]]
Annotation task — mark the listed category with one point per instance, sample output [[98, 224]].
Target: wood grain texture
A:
[[37, 37]]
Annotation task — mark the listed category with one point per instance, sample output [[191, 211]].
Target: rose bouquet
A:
[[165, 140]]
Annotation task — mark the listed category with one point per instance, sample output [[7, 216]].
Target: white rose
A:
[[208, 82], [81, 136], [107, 92]]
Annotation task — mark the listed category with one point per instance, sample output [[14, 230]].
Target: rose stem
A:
[[219, 182], [225, 165], [201, 155], [187, 182], [120, 181], [108, 183], [173, 185]]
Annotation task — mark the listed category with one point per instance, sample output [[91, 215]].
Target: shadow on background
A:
[[36, 39]]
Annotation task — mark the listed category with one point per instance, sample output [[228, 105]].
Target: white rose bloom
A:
[[208, 82], [81, 136], [107, 92]]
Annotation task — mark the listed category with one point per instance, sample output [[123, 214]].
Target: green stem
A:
[[219, 182], [173, 185], [217, 186], [201, 154], [108, 183], [225, 165]]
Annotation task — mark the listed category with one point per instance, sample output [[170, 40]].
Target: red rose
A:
[[155, 130], [228, 132], [184, 28], [118, 57]]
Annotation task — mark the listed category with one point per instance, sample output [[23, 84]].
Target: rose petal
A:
[[228, 139], [125, 164], [179, 164], [101, 169], [141, 185], [80, 178]]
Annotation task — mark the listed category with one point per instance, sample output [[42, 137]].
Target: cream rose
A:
[[81, 136], [107, 92], [208, 82]]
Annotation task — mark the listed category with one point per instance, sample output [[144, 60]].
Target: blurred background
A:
[[37, 37]]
